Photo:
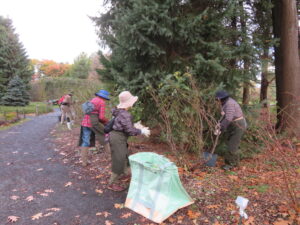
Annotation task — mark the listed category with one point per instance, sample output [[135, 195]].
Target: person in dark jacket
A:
[[233, 125], [123, 128]]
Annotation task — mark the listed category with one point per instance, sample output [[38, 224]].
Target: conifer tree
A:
[[13, 58], [16, 94], [81, 67], [151, 39]]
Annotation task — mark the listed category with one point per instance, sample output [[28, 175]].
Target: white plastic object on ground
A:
[[242, 204]]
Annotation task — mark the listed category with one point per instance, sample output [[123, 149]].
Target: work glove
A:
[[217, 129], [145, 131], [138, 125], [217, 132]]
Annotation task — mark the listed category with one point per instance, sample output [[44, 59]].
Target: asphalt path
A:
[[37, 188]]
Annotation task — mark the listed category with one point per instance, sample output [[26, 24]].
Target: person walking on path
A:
[[92, 125], [66, 110], [123, 128], [233, 125]]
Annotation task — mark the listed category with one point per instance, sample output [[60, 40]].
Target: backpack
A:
[[61, 100], [109, 126], [87, 107]]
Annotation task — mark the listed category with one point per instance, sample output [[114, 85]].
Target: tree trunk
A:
[[287, 66], [264, 78], [246, 86], [246, 93]]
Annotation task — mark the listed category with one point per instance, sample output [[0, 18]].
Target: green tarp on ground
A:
[[155, 189]]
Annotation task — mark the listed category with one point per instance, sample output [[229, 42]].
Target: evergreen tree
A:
[[151, 39], [13, 58], [81, 67], [16, 94]]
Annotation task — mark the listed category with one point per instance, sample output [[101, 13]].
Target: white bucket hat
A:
[[126, 100]]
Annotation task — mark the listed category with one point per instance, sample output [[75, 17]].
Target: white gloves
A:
[[217, 129], [145, 130], [138, 125]]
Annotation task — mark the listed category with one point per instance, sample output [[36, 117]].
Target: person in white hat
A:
[[123, 128]]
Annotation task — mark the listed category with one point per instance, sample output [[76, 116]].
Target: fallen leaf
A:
[[171, 220], [68, 184], [12, 219], [44, 194], [126, 215], [40, 169], [29, 198], [105, 214], [14, 197], [213, 206], [249, 221], [282, 222], [180, 218], [217, 223], [283, 208], [119, 206], [180, 170], [193, 215], [54, 209], [107, 222], [232, 177], [99, 191], [48, 214], [37, 216]]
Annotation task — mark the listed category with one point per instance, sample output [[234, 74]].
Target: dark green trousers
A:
[[234, 134], [97, 128], [119, 151]]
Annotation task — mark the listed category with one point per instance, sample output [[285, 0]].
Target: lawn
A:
[[42, 107]]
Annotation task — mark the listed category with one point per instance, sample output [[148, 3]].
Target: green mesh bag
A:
[[155, 189]]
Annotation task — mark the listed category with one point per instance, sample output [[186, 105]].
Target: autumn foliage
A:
[[50, 68]]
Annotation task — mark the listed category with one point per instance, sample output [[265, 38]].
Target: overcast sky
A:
[[57, 30]]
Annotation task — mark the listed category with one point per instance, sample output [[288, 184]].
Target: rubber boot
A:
[[84, 155], [113, 178]]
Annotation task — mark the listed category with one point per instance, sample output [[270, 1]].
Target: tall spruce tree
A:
[[151, 39], [16, 94], [13, 58], [287, 65]]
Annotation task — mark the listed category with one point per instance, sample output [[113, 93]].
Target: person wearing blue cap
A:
[[93, 124], [233, 125]]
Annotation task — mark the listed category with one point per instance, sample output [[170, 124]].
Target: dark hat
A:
[[103, 94], [222, 94]]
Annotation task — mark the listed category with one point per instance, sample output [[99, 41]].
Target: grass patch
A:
[[259, 188], [31, 108], [13, 124], [230, 173]]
